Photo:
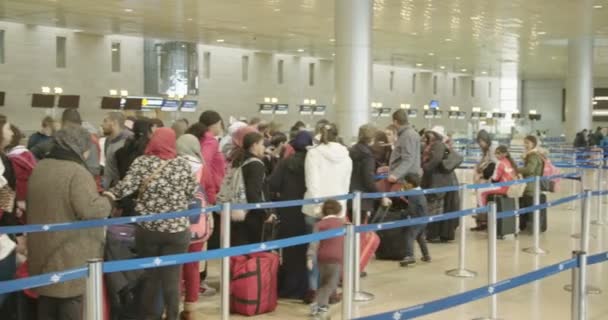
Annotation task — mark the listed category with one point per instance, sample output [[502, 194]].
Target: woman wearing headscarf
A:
[[62, 190], [164, 183], [288, 182], [188, 147]]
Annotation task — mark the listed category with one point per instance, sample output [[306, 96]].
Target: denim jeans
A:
[[313, 275], [418, 234]]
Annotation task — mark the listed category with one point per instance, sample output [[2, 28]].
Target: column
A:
[[353, 65], [579, 84]]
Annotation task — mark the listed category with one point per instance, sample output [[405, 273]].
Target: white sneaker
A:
[[206, 290]]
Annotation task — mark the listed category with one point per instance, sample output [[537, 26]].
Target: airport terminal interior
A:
[[130, 109]]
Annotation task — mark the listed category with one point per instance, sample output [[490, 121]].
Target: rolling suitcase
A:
[[370, 242], [527, 220], [504, 226], [392, 242], [253, 283]]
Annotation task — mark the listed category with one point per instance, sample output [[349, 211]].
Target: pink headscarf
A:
[[162, 144], [239, 135]]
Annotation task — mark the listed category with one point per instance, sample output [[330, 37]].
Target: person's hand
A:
[[392, 179], [271, 218], [386, 202], [309, 264], [21, 245]]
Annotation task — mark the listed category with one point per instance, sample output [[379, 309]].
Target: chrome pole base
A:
[[363, 296], [461, 273], [588, 289], [537, 251]]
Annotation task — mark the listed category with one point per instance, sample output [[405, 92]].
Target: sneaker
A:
[[426, 259], [206, 290], [407, 261], [323, 313], [314, 309], [335, 298], [309, 297]]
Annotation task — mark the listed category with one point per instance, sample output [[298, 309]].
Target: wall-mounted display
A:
[[306, 110], [43, 100], [170, 105], [133, 104], [189, 105], [111, 103], [281, 109], [68, 101], [2, 96]]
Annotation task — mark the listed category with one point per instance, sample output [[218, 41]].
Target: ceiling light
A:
[[418, 64], [274, 100], [244, 27], [46, 90], [307, 101], [313, 101], [114, 49], [190, 19], [414, 33], [124, 93], [300, 50], [448, 40], [554, 58], [541, 33], [442, 67], [277, 10], [128, 10], [332, 40], [598, 6], [113, 92], [484, 72], [58, 90], [431, 54], [219, 40], [463, 70], [457, 58], [267, 99], [333, 54]]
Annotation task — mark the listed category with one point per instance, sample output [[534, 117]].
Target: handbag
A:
[[516, 191], [451, 160]]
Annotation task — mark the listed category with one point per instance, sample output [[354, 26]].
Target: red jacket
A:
[[330, 250], [215, 166], [23, 163]]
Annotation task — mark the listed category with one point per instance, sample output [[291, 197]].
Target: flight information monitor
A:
[[43, 100]]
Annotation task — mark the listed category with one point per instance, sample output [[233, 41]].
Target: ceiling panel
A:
[[476, 35]]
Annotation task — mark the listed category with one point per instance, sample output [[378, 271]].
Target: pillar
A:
[[353, 65], [579, 84]]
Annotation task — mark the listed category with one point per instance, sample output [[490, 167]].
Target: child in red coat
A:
[[329, 254]]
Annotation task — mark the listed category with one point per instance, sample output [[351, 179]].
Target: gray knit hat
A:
[[73, 138]]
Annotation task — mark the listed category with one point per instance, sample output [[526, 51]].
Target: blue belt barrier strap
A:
[[597, 258], [417, 221], [171, 260], [30, 228], [506, 214], [42, 280], [475, 294], [292, 203]]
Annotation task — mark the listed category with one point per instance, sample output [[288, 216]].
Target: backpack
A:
[[549, 170], [201, 226], [233, 190]]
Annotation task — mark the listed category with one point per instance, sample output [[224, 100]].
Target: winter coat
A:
[[254, 177], [405, 158], [433, 176], [63, 191], [363, 174], [328, 170], [215, 166], [23, 163], [533, 167]]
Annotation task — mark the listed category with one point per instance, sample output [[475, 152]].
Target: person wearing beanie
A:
[[61, 189]]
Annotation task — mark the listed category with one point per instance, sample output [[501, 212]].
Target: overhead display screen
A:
[[43, 100]]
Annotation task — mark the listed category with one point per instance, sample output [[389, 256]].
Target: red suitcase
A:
[[253, 283], [370, 242]]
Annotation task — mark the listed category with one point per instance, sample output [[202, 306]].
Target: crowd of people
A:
[[589, 138], [136, 166]]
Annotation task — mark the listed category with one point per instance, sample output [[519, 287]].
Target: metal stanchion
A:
[[600, 214], [572, 205], [462, 271], [225, 271], [358, 295], [584, 245], [348, 273], [94, 286], [536, 249], [582, 201], [492, 264], [574, 284]]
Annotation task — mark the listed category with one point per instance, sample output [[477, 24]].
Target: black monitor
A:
[[43, 100], [281, 109], [266, 108], [412, 113], [68, 101], [306, 110], [498, 115], [534, 117], [110, 103], [133, 104], [516, 116], [2, 94]]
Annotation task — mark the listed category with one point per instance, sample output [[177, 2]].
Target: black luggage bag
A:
[[526, 221], [392, 242], [504, 226]]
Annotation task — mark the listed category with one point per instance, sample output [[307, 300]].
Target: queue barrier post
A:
[[584, 247], [492, 263], [462, 271], [536, 249], [225, 264], [600, 214], [94, 290], [572, 205], [348, 272], [358, 295], [574, 293]]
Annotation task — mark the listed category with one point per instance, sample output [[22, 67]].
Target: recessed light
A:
[[431, 54], [332, 40], [457, 58], [244, 27], [277, 10], [300, 50], [463, 70], [442, 67], [333, 54], [114, 49], [448, 40], [190, 19], [598, 6], [554, 58], [484, 72], [219, 40], [541, 33], [418, 64], [128, 10]]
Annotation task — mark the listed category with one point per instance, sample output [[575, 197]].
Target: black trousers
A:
[[164, 279], [50, 308]]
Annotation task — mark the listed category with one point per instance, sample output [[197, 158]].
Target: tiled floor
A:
[[397, 287]]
